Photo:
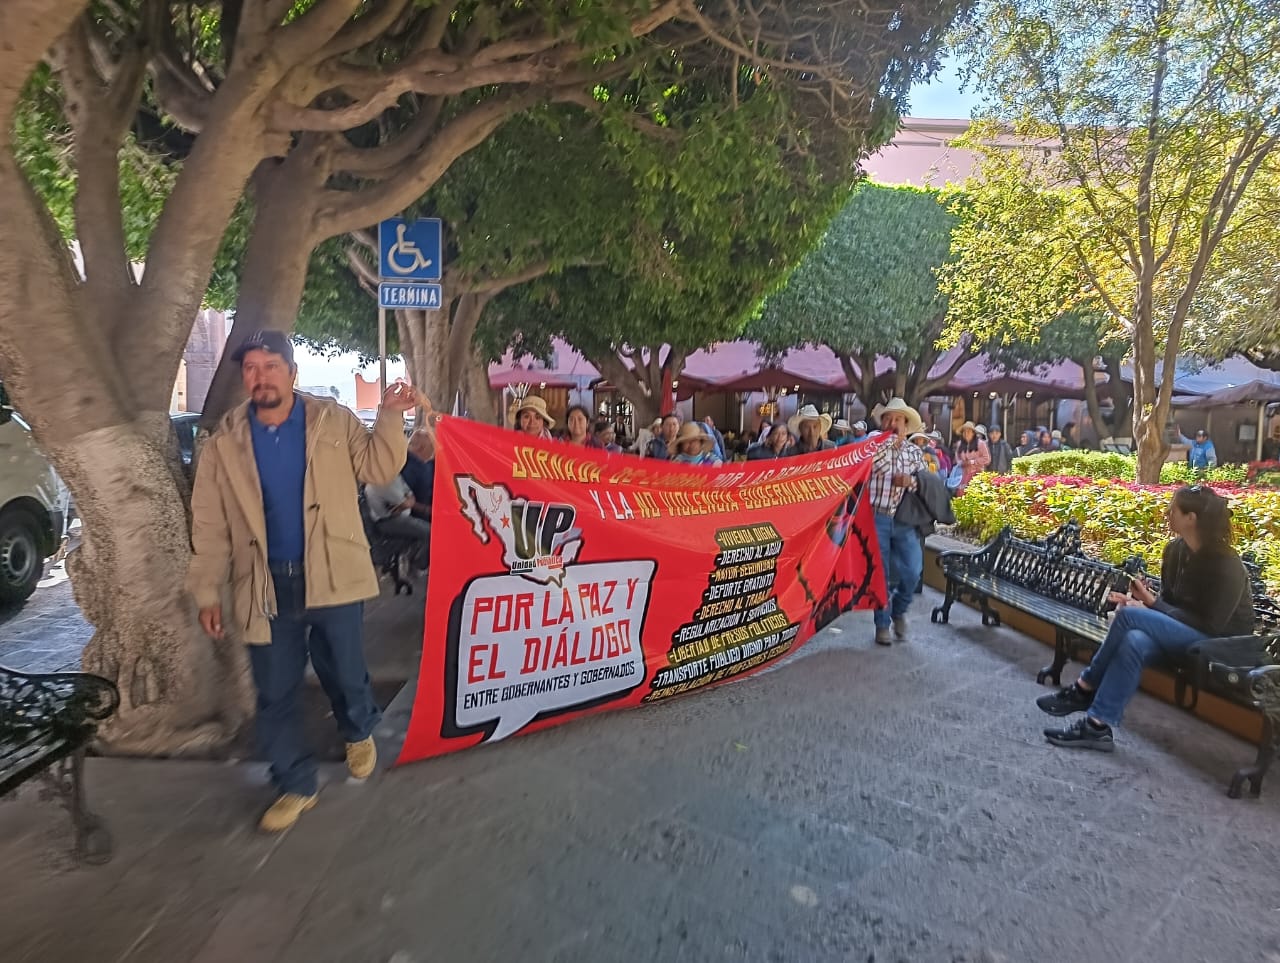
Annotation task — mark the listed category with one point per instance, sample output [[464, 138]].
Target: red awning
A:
[[772, 377], [523, 376]]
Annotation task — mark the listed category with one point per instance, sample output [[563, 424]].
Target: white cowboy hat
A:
[[536, 404], [690, 431], [809, 413], [843, 424], [914, 421]]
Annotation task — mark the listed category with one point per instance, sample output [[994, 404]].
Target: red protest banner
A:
[[565, 580]]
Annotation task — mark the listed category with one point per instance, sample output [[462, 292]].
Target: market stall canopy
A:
[[1263, 392], [776, 378]]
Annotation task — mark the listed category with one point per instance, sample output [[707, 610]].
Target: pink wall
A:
[[921, 154]]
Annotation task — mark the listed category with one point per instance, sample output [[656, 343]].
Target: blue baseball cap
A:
[[277, 342]]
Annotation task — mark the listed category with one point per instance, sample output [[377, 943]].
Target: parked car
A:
[[185, 425], [33, 509]]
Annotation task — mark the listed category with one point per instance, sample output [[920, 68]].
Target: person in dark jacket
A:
[[776, 444], [661, 444], [924, 508], [1001, 451], [1205, 593]]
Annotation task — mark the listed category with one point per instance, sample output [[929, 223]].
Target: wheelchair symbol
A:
[[405, 251]]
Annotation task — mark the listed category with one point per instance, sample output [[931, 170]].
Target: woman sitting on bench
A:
[[1205, 593]]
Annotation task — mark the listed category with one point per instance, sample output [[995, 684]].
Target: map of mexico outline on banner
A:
[[566, 580]]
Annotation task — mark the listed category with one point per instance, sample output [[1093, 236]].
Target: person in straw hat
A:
[[693, 446], [893, 474], [810, 429], [532, 417], [972, 454]]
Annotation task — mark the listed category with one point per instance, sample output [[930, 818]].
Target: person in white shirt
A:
[[391, 506]]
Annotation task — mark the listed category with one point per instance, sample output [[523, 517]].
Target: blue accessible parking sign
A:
[[410, 250]]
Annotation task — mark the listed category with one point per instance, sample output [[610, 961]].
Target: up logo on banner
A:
[[538, 539]]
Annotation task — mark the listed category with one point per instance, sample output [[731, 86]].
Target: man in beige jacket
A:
[[275, 514]]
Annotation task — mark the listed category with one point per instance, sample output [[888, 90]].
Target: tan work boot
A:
[[900, 628], [362, 756], [284, 812], [883, 636]]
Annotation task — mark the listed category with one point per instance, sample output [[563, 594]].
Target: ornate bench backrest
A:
[[1020, 562], [1079, 582]]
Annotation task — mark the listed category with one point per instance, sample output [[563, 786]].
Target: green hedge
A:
[[1100, 465], [1118, 519]]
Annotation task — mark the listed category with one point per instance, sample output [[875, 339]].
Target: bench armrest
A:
[[952, 555], [1264, 686], [57, 699]]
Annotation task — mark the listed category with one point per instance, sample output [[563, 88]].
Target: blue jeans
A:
[[337, 653], [1137, 638], [903, 562]]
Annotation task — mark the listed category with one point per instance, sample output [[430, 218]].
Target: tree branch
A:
[[302, 39], [99, 112], [349, 211], [365, 29], [29, 28], [379, 161]]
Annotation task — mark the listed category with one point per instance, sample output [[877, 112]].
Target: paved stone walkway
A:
[[46, 633], [855, 803]]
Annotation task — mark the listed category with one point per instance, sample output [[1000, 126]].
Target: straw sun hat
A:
[[690, 431], [914, 421], [536, 404], [809, 413]]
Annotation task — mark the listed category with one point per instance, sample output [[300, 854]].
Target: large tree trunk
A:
[[479, 397], [1149, 410], [860, 376], [90, 358], [274, 270], [641, 383], [423, 339], [466, 317], [1121, 392], [1091, 396], [181, 693]]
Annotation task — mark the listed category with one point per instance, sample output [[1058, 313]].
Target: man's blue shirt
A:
[[281, 454]]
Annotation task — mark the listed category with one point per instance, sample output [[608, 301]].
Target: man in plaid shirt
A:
[[893, 474]]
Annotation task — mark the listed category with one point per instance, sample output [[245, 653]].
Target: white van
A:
[[33, 509]]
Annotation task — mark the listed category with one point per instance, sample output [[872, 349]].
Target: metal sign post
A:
[[382, 351], [408, 251]]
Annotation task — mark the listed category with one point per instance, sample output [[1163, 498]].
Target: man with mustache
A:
[[275, 515]]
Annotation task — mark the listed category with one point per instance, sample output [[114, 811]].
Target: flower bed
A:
[[1118, 518]]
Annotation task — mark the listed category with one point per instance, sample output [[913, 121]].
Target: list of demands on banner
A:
[[526, 650], [739, 625]]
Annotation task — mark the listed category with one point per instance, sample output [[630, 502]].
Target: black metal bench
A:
[[1052, 580], [1244, 670], [46, 724]]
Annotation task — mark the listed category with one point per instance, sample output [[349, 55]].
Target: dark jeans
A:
[[1138, 637], [334, 638], [416, 531], [902, 556]]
